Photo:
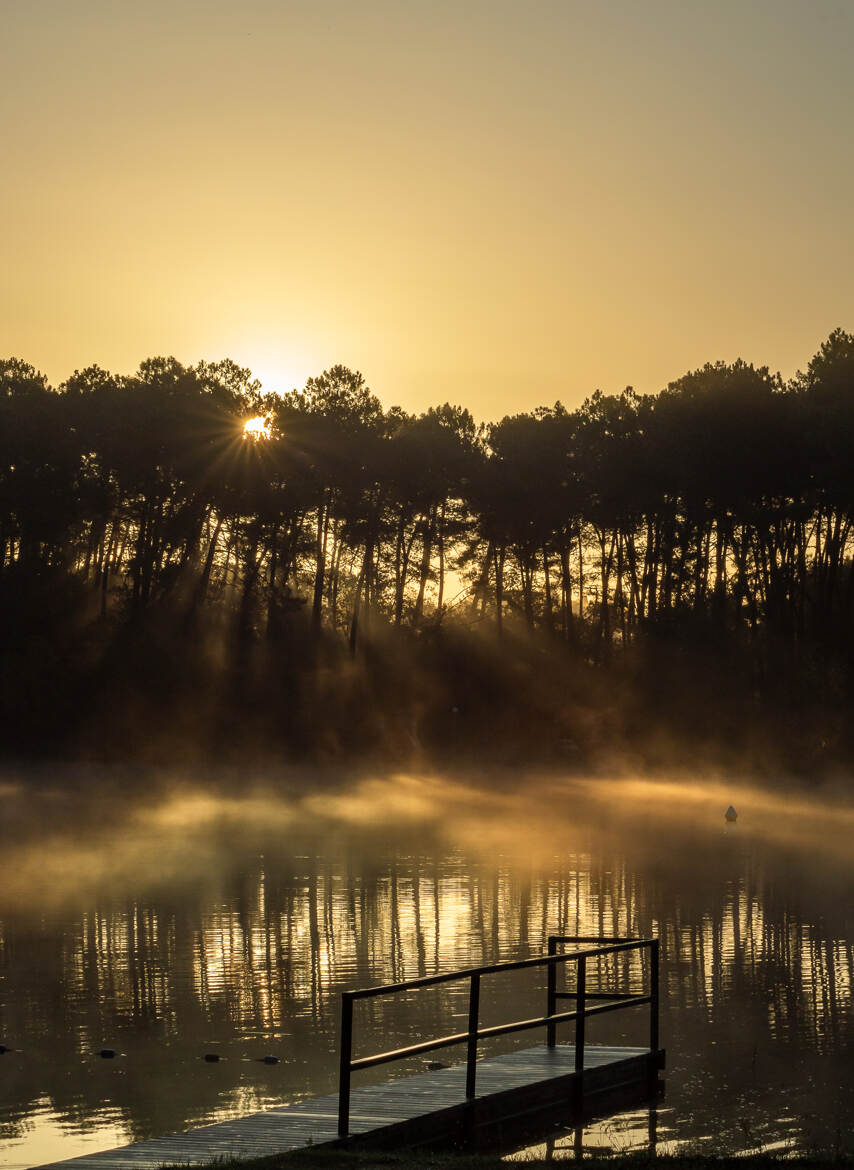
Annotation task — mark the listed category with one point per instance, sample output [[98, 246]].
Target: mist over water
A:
[[228, 917]]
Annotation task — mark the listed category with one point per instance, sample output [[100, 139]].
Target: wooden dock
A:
[[430, 1106], [481, 1099]]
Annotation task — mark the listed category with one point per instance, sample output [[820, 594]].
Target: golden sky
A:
[[493, 203]]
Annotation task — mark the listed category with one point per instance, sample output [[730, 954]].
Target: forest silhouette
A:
[[657, 579]]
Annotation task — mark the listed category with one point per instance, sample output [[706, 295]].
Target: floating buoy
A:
[[211, 1057], [107, 1053], [731, 814], [270, 1059]]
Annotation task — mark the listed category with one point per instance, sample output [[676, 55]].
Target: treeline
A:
[[717, 512]]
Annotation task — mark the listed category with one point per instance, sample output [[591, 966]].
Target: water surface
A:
[[179, 921]]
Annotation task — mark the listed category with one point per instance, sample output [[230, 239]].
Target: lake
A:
[[167, 920]]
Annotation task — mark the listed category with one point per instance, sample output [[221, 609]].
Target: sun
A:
[[256, 428]]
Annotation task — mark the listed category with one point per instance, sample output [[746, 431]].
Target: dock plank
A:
[[374, 1109]]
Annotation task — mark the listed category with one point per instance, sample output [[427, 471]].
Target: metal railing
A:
[[602, 1001]]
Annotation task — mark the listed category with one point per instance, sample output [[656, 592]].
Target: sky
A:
[[495, 204]]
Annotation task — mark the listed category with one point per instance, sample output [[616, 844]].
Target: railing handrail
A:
[[475, 1033], [511, 965]]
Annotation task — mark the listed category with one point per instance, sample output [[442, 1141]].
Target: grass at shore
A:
[[332, 1159]]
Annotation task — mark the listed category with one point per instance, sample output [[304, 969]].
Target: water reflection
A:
[[186, 922], [631, 1132]]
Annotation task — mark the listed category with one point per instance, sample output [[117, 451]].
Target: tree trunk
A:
[[566, 594], [320, 565], [426, 557], [499, 557], [548, 616], [441, 596]]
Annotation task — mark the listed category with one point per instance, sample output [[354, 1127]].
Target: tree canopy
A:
[[725, 502]]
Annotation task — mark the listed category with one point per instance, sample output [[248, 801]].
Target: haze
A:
[[497, 204]]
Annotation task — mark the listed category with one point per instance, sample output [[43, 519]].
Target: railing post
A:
[[551, 996], [580, 1002], [346, 1057], [474, 1015], [653, 995]]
